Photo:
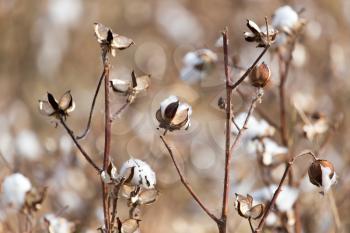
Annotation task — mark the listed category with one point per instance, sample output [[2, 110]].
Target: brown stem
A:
[[251, 225], [84, 153], [240, 131], [225, 194], [278, 190], [107, 148], [87, 129], [187, 185]]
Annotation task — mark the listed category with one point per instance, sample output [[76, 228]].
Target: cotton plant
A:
[[135, 181], [197, 65]]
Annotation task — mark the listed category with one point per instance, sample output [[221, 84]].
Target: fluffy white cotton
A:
[[27, 145], [165, 103], [270, 149], [285, 18], [14, 189], [255, 128], [285, 199], [197, 64], [326, 181], [143, 174], [58, 224]]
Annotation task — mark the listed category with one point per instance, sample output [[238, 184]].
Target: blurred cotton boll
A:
[[255, 127], [142, 174], [28, 145], [14, 189], [64, 12], [285, 199], [197, 65], [177, 22], [285, 18], [56, 224]]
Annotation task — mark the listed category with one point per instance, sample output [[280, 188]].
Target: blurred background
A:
[[50, 46]]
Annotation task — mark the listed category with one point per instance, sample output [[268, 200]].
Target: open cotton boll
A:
[[165, 103], [285, 199], [255, 128], [327, 182], [14, 189], [270, 150], [285, 18], [143, 175], [58, 224]]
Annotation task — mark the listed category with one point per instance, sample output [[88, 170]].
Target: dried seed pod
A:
[[110, 40], [131, 88], [61, 108], [129, 226], [260, 75], [260, 35], [245, 208], [322, 174]]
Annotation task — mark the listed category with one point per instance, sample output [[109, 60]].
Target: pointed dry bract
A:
[[109, 40]]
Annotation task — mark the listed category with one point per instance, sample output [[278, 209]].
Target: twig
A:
[[187, 185], [241, 79], [122, 108], [84, 153], [107, 148], [250, 111], [279, 188], [251, 225], [225, 194], [335, 212], [87, 129]]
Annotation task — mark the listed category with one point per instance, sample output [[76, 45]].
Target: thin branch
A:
[[241, 79], [187, 185], [84, 153], [226, 191], [279, 188], [87, 129], [251, 225], [335, 212], [120, 110], [250, 111]]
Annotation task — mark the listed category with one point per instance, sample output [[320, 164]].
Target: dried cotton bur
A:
[[58, 109], [109, 40], [263, 36], [131, 88], [246, 209]]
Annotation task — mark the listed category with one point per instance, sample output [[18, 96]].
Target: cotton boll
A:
[[143, 175], [285, 18], [14, 189], [285, 200], [28, 145], [58, 224]]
